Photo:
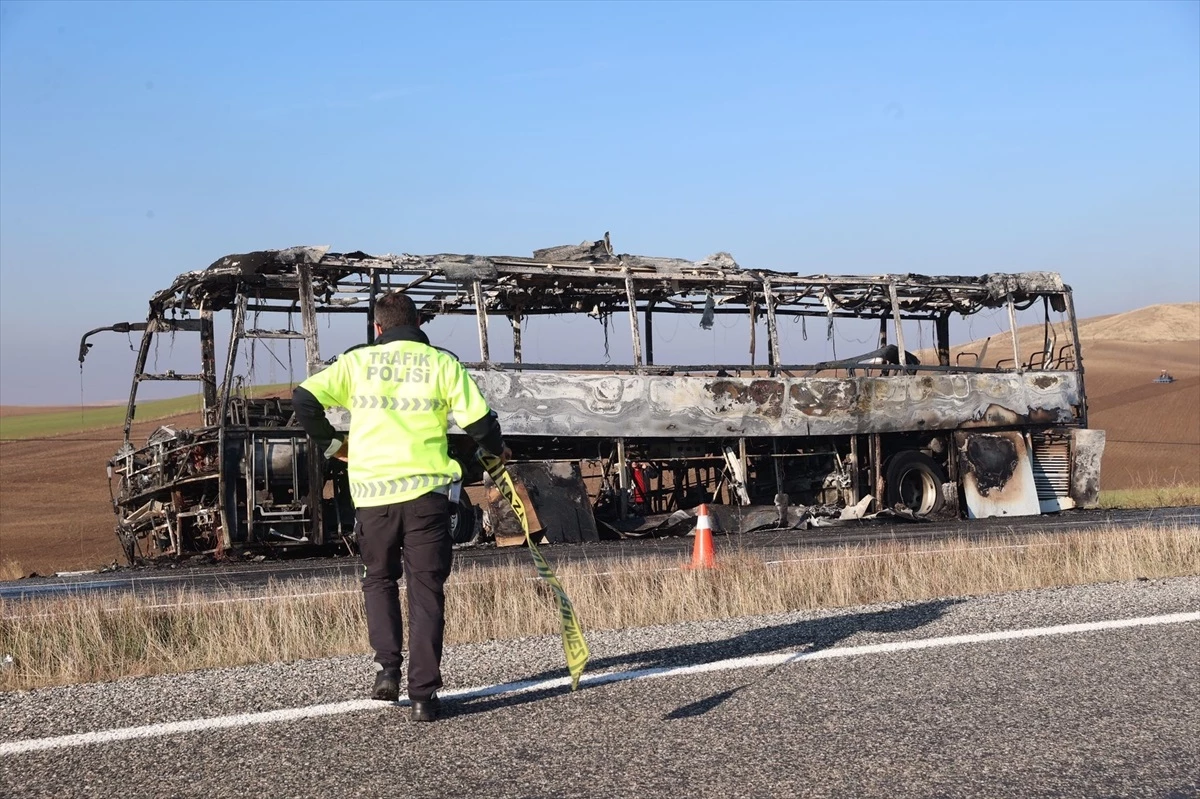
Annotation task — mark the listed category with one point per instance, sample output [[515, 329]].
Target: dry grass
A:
[[1167, 495], [96, 638], [11, 570]]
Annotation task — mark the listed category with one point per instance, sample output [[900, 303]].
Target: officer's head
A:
[[395, 309]]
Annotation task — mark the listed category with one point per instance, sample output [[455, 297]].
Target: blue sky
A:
[[141, 140]]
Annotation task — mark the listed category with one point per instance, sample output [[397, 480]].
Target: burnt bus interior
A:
[[604, 449]]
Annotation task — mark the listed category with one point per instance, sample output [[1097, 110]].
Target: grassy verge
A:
[[54, 423], [1167, 496], [57, 423], [98, 638]]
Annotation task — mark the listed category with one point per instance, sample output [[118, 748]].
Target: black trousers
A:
[[407, 538]]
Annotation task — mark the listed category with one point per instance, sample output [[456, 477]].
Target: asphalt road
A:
[[219, 578], [1099, 711]]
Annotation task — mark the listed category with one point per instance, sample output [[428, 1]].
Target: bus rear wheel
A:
[[914, 481], [464, 522]]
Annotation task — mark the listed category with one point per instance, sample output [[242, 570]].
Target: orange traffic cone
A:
[[703, 556]]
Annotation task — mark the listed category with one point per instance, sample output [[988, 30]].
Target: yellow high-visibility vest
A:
[[399, 396]]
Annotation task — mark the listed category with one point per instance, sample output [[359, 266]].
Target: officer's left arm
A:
[[471, 410]]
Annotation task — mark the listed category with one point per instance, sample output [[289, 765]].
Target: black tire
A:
[[914, 480], [464, 521]]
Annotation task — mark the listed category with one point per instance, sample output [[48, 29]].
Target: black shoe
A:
[[425, 709], [387, 685]]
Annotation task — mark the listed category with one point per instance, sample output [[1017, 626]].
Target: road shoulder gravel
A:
[[217, 692]]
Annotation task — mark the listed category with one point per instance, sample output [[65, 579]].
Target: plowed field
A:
[[55, 512]]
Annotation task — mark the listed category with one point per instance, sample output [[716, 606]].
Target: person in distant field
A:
[[399, 391]]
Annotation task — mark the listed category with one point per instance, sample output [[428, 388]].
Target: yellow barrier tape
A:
[[574, 645]]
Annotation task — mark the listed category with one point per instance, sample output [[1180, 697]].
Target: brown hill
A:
[[1152, 324]]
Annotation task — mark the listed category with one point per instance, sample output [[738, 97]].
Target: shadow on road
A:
[[702, 706], [811, 635]]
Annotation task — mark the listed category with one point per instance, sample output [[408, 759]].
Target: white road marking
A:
[[599, 678]]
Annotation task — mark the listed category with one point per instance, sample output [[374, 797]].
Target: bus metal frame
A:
[[616, 449]]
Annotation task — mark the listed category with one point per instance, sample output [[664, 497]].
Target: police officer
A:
[[399, 391]]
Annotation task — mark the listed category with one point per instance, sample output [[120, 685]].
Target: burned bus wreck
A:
[[603, 449]]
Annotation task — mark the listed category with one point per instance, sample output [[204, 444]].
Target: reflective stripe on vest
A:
[[397, 403], [400, 485]]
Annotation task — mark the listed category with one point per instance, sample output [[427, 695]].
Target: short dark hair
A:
[[396, 309]]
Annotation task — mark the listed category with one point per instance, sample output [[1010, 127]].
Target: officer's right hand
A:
[[343, 449], [506, 455]]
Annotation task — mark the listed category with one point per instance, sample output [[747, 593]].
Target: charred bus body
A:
[[602, 449]]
